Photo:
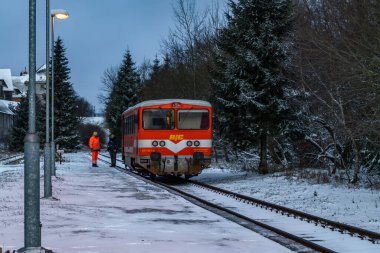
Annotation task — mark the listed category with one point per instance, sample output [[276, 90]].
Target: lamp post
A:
[[60, 14], [47, 154], [32, 229]]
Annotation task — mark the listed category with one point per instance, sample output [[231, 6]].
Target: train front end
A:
[[175, 137]]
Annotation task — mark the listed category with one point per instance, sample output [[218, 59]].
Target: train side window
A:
[[129, 125], [133, 124], [125, 125], [128, 128]]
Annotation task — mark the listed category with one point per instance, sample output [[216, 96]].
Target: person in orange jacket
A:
[[94, 145]]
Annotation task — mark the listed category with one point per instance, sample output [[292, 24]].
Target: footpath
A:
[[104, 210]]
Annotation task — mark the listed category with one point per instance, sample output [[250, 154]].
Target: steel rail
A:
[[333, 225], [325, 223], [10, 157], [283, 233], [15, 157]]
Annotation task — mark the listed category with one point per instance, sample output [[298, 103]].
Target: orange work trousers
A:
[[94, 156]]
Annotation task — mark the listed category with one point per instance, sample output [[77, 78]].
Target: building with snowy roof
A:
[[6, 84], [12, 89], [6, 120], [21, 83], [2, 86]]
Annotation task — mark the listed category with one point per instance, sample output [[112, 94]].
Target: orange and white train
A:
[[168, 137]]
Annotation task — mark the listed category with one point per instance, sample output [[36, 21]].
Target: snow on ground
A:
[[7, 168], [104, 210], [355, 206], [332, 240]]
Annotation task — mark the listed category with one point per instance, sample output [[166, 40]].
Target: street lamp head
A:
[[60, 14]]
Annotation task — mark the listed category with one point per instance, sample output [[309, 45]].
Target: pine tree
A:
[[20, 125], [150, 88], [65, 106], [167, 62], [248, 82], [124, 94], [155, 68]]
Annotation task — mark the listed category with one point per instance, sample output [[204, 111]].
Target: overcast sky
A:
[[96, 35]]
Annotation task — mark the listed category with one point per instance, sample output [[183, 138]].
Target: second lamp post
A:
[[60, 14]]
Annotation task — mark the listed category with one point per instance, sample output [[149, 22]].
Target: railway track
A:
[[325, 223], [11, 159], [313, 232]]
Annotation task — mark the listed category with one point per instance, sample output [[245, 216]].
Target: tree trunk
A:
[[271, 148], [263, 166], [226, 155], [273, 152], [216, 155], [355, 176]]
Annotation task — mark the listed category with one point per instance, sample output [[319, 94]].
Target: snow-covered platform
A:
[[104, 210]]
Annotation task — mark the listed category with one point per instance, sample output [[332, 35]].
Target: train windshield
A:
[[158, 119], [193, 119]]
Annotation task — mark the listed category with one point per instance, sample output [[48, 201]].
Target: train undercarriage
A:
[[157, 165]]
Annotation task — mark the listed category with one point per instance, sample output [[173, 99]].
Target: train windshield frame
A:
[[193, 119], [158, 119]]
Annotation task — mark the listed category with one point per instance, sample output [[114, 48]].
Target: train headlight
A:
[[154, 143], [162, 143], [197, 143], [189, 143]]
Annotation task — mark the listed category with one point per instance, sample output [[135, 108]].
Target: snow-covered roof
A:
[[42, 69], [4, 107], [41, 74], [10, 103], [169, 101], [21, 82], [5, 74], [20, 79]]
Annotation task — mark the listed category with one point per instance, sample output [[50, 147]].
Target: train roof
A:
[[168, 101]]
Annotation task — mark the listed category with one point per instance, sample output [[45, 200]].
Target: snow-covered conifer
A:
[[155, 68], [248, 80], [125, 93], [20, 124], [65, 106]]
